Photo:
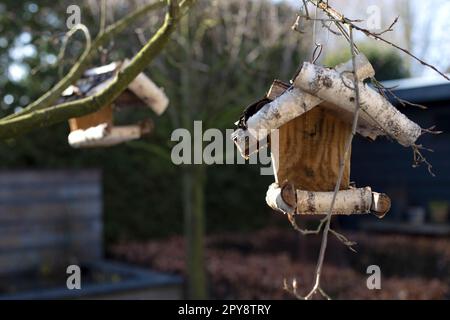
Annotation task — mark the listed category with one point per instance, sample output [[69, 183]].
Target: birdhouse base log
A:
[[376, 111], [105, 136], [310, 150], [103, 115], [288, 200]]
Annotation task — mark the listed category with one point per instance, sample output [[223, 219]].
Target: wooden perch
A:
[[352, 201], [331, 86], [104, 135]]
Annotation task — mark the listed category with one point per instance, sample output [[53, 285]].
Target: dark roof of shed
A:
[[420, 90]]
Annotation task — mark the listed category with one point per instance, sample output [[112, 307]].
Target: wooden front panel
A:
[[104, 115], [310, 149], [49, 219]]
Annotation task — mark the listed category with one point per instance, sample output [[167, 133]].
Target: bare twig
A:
[[419, 158], [432, 131], [344, 240], [389, 29], [382, 89], [292, 291], [323, 246], [102, 17], [67, 36], [341, 20], [327, 220], [345, 28], [54, 114], [291, 218], [48, 98]]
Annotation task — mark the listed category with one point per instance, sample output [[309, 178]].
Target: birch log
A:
[[148, 91], [247, 144], [295, 102], [329, 85], [277, 201], [105, 136], [348, 202]]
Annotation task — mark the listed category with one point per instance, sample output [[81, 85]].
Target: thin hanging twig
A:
[[327, 220], [345, 28], [341, 20]]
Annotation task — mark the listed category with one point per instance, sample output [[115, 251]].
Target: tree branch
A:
[[51, 96], [340, 19], [317, 288], [65, 41], [45, 117]]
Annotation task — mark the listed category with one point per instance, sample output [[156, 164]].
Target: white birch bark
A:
[[352, 201], [348, 202], [104, 136], [329, 85], [275, 200], [148, 91], [295, 102]]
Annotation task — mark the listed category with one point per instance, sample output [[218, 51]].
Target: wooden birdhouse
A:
[[314, 117], [97, 129]]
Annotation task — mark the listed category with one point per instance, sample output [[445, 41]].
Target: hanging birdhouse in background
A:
[[314, 119], [97, 129]]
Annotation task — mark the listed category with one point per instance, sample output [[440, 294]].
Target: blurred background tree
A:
[[226, 54], [387, 62], [223, 57]]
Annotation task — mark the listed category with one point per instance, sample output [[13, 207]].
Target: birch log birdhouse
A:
[[97, 129], [314, 117]]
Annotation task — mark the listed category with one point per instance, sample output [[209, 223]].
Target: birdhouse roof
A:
[[96, 79], [332, 89]]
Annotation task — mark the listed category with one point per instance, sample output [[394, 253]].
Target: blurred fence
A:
[[49, 219]]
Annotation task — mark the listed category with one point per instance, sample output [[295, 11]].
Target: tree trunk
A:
[[194, 217], [194, 176]]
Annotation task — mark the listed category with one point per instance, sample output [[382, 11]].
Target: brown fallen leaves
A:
[[254, 266]]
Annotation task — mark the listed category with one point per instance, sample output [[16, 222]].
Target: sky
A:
[[438, 35]]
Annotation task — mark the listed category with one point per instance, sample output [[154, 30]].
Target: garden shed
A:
[[422, 201]]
